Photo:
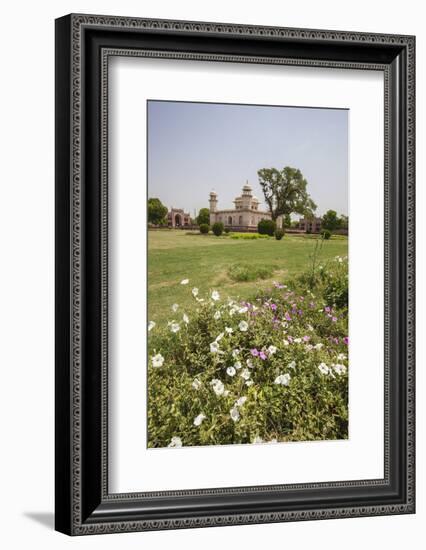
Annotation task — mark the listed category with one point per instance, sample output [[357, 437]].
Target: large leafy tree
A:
[[203, 216], [331, 221], [285, 192], [156, 211]]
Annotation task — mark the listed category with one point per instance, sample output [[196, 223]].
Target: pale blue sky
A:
[[194, 148]]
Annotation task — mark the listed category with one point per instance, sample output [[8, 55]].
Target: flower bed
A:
[[269, 370]]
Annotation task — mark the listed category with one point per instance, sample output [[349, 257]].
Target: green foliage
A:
[[250, 272], [156, 211], [330, 221], [248, 236], [326, 233], [271, 369], [266, 227], [218, 228], [227, 230], [285, 192], [279, 234], [203, 216], [204, 228]]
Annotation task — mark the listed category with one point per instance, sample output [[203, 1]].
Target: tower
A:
[[213, 202], [246, 196]]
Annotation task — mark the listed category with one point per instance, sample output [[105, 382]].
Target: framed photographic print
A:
[[234, 274]]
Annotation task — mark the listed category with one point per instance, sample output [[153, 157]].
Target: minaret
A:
[[246, 196], [213, 201]]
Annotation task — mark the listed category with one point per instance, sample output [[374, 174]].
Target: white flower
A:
[[184, 281], [341, 357], [318, 346], [196, 384], [157, 360], [309, 347], [257, 440], [215, 295], [324, 369], [272, 350], [286, 342], [175, 307], [200, 300], [229, 330], [237, 365], [310, 327], [231, 371], [151, 325], [249, 363], [245, 373], [174, 327], [249, 382], [233, 310], [219, 337], [235, 415], [218, 386], [217, 315], [198, 419], [240, 402], [235, 353], [292, 365], [243, 326], [340, 369], [283, 379], [214, 347], [195, 291], [243, 309], [175, 442], [185, 318], [297, 340]]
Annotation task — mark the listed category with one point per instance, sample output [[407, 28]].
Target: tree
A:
[[285, 192], [218, 228], [330, 221], [156, 211], [203, 216], [344, 221]]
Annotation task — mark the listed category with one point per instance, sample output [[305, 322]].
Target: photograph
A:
[[247, 274]]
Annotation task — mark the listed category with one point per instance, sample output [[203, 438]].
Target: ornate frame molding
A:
[[73, 47]]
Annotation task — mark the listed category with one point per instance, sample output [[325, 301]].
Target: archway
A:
[[230, 220], [178, 220]]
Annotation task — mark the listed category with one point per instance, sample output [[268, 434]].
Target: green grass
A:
[[209, 261]]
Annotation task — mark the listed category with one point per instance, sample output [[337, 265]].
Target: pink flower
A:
[[287, 316], [254, 352], [327, 309], [263, 355], [346, 340], [334, 319], [273, 307], [306, 338]]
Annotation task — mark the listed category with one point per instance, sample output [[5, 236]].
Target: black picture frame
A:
[[83, 46]]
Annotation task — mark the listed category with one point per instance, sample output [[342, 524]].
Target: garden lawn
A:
[[175, 255]]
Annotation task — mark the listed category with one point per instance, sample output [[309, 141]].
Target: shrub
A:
[[232, 373], [326, 233], [204, 228], [266, 227], [217, 229], [279, 234], [248, 236], [227, 230], [249, 272]]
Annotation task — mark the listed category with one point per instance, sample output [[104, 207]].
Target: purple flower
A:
[[254, 352], [346, 340], [287, 316], [263, 355], [300, 312], [273, 307], [336, 340], [306, 338], [327, 309], [290, 339], [312, 305], [334, 319]]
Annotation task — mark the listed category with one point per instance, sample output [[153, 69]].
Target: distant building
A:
[[244, 217], [310, 225], [178, 218]]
